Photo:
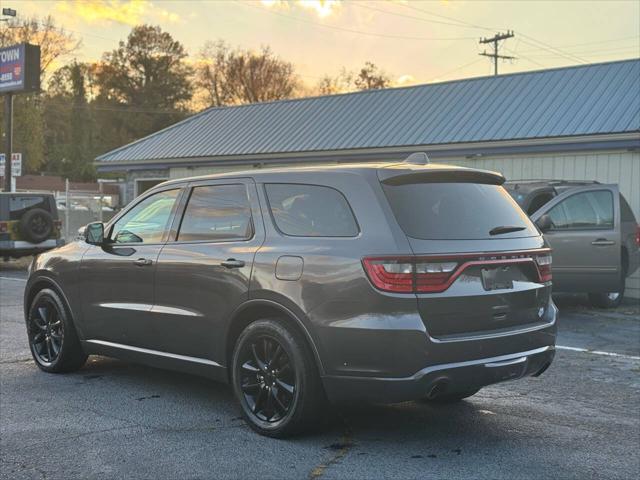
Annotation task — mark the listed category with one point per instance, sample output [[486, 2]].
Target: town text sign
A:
[[20, 68]]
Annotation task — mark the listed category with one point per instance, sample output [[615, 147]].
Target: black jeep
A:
[[29, 224]]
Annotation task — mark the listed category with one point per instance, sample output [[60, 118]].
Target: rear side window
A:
[[584, 210], [310, 211], [457, 211], [217, 213], [19, 205], [626, 214]]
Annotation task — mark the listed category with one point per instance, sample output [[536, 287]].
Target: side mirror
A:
[[544, 223], [94, 233]]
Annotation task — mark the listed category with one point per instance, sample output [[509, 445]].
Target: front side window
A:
[[310, 211], [148, 221], [584, 210], [217, 213]]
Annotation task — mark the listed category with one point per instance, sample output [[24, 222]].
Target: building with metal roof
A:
[[573, 123]]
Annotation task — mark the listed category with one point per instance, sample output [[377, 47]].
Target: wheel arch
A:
[[40, 282], [258, 309]]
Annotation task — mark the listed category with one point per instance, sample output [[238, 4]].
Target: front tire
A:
[[53, 340], [275, 379]]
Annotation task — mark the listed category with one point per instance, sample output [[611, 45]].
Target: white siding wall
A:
[[621, 167]]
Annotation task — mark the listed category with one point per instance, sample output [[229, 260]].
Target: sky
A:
[[412, 41]]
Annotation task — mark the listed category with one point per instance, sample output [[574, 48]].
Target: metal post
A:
[[100, 215], [8, 131], [66, 211]]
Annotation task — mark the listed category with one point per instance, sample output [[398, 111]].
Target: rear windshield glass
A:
[[457, 211]]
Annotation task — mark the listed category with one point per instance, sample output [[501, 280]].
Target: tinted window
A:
[[148, 221], [310, 211], [626, 214], [217, 212], [19, 205], [584, 210], [439, 211]]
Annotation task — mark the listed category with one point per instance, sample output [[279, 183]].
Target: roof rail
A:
[[417, 158]]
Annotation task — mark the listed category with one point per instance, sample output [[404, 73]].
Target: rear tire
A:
[[607, 300], [275, 379], [36, 225], [452, 397], [53, 340]]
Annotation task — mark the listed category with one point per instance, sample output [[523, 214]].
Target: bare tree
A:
[[55, 43], [369, 77], [232, 77]]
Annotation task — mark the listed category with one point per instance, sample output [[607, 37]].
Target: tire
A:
[[607, 300], [452, 397], [36, 225], [275, 379], [53, 340]]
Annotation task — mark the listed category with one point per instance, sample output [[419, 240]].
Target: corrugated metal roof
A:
[[582, 100]]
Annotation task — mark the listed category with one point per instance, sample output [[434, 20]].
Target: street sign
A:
[[16, 164], [20, 68]]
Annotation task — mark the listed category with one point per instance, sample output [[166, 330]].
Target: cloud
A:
[[125, 12], [405, 80], [322, 8]]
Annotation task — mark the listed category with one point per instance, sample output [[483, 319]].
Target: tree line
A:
[[145, 84]]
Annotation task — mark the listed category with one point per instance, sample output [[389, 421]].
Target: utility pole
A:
[[8, 132], [495, 39]]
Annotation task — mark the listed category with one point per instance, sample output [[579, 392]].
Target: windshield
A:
[[457, 211]]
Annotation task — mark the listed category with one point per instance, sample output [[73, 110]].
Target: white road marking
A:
[[14, 279], [598, 352]]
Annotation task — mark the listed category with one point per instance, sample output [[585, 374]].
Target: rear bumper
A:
[[450, 377], [17, 248]]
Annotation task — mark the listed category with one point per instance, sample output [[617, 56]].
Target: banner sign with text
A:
[[16, 164], [20, 68]]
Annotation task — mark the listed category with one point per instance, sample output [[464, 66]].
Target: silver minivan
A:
[[593, 232]]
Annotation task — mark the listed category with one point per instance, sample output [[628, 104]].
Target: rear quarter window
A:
[[456, 211], [310, 211], [626, 214]]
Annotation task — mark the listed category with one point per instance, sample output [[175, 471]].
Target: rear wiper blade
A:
[[505, 229]]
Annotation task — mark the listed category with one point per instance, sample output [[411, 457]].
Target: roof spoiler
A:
[[442, 174]]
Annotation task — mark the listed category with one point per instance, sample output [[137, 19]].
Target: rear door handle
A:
[[143, 262], [232, 263], [603, 242]]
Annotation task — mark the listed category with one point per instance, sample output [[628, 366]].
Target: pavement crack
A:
[[342, 448], [17, 360]]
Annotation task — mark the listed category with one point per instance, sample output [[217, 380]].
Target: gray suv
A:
[[593, 232], [352, 283]]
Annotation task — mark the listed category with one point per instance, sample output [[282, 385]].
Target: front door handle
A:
[[232, 263], [601, 242], [143, 262]]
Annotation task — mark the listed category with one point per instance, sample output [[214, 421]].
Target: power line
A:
[[550, 48], [477, 60], [461, 22], [349, 30], [369, 7]]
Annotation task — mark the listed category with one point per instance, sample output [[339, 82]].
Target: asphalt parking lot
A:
[[112, 419]]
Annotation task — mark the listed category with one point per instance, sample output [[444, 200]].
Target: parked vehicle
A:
[[28, 224], [358, 283], [593, 232]]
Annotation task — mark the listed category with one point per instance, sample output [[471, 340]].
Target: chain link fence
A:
[[76, 209]]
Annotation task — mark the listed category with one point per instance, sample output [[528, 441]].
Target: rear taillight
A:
[[414, 274], [390, 274], [544, 267], [638, 235], [433, 276], [4, 227]]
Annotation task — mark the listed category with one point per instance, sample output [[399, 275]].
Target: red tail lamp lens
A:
[[544, 267], [390, 274]]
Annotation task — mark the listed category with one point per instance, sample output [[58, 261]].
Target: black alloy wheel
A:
[[46, 331], [268, 379], [53, 340], [276, 380]]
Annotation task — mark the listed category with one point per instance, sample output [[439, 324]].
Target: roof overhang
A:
[[597, 142]]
